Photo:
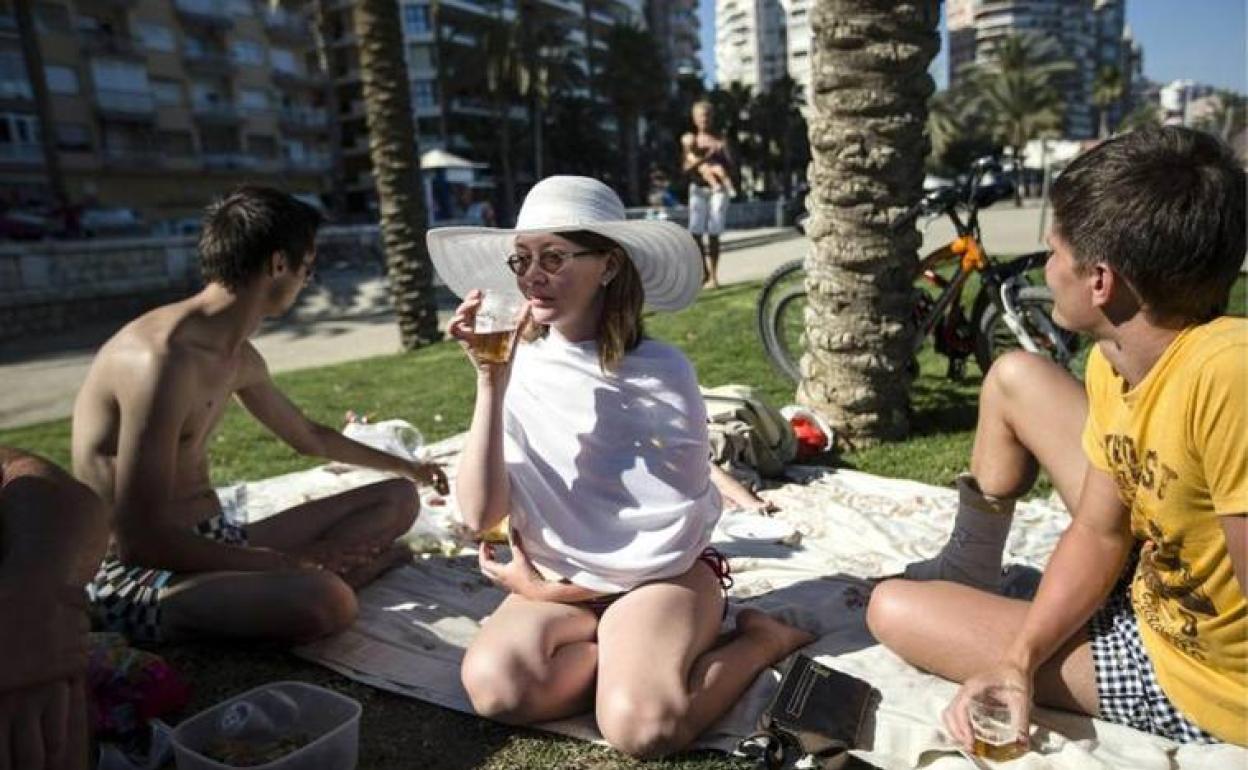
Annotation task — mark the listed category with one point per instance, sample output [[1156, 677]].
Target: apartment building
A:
[[444, 48], [751, 42], [1091, 34], [799, 38], [675, 25], [160, 105]]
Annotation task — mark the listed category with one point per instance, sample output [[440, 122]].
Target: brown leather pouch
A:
[[819, 710]]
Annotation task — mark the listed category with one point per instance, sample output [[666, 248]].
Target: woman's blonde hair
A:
[[620, 325]]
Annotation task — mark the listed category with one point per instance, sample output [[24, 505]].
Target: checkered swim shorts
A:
[[127, 599], [1126, 684]]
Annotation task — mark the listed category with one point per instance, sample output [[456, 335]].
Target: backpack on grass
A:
[[749, 437]]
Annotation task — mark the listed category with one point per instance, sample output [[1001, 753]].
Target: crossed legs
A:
[[298, 604], [1031, 416], [650, 668]]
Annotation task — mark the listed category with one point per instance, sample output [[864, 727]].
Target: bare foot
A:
[[392, 557], [774, 635]]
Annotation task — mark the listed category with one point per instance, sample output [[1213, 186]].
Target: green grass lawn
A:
[[433, 389]]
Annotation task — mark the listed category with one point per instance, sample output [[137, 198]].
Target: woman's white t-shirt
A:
[[610, 479]]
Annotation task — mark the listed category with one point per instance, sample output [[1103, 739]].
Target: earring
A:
[[606, 279]]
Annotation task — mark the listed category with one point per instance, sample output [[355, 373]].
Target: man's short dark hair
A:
[[245, 228], [1165, 208]]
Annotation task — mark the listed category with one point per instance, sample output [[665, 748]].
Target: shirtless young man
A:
[[142, 425], [701, 150]]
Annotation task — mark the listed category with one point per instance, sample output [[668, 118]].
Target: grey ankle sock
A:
[[973, 554]]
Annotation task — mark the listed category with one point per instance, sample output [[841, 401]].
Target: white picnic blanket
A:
[[415, 622]]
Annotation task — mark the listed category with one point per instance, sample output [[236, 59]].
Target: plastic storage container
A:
[[330, 721]]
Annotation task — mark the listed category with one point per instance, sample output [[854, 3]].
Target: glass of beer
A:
[[996, 736], [494, 330]]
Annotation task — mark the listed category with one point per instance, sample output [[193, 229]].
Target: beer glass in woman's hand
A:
[[487, 324]]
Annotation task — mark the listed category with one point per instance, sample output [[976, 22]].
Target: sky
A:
[[1201, 40]]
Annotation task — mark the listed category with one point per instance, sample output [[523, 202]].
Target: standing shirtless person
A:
[[701, 150], [179, 564]]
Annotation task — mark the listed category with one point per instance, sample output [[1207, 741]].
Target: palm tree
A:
[[1107, 91], [548, 67], [1227, 118], [1145, 114], [1016, 87], [501, 53], [634, 79], [396, 170], [778, 132], [32, 58], [869, 108]]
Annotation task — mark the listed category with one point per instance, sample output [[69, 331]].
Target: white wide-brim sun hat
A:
[[664, 253]]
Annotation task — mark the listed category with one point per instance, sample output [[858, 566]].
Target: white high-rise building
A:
[[675, 25], [1091, 34], [750, 42], [799, 43]]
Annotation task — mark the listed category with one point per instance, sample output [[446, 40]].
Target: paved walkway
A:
[[348, 317]]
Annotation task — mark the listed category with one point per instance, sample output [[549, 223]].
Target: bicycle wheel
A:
[[776, 320], [1035, 305]]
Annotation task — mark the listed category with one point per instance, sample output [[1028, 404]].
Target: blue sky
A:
[[1202, 40]]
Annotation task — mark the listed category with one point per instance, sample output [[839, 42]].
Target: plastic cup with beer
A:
[[498, 316], [997, 735]]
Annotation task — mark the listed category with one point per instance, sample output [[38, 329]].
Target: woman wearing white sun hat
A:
[[593, 439]]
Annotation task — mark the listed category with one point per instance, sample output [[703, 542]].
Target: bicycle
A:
[[1007, 313]]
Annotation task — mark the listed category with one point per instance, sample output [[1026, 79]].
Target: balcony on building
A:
[[284, 78], [125, 105], [207, 13], [310, 163], [216, 113], [207, 62], [132, 157], [285, 26], [101, 43], [21, 154], [303, 119]]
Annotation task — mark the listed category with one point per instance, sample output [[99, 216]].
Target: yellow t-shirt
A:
[[1177, 447]]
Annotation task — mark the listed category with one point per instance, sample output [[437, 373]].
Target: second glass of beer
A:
[[494, 330]]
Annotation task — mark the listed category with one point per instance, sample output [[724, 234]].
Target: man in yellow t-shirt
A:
[[1140, 617]]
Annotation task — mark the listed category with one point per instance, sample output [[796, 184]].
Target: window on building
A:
[[423, 93], [117, 75], [254, 100], [155, 37], [262, 145], [208, 95], [283, 59], [175, 144], [61, 80], [167, 93], [13, 81], [18, 129], [419, 57], [51, 17], [240, 8], [247, 52], [416, 19], [73, 137]]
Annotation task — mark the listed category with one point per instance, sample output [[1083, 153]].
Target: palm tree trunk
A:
[[1018, 176], [539, 149], [321, 34], [32, 57], [629, 127], [502, 113], [870, 94], [396, 170]]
